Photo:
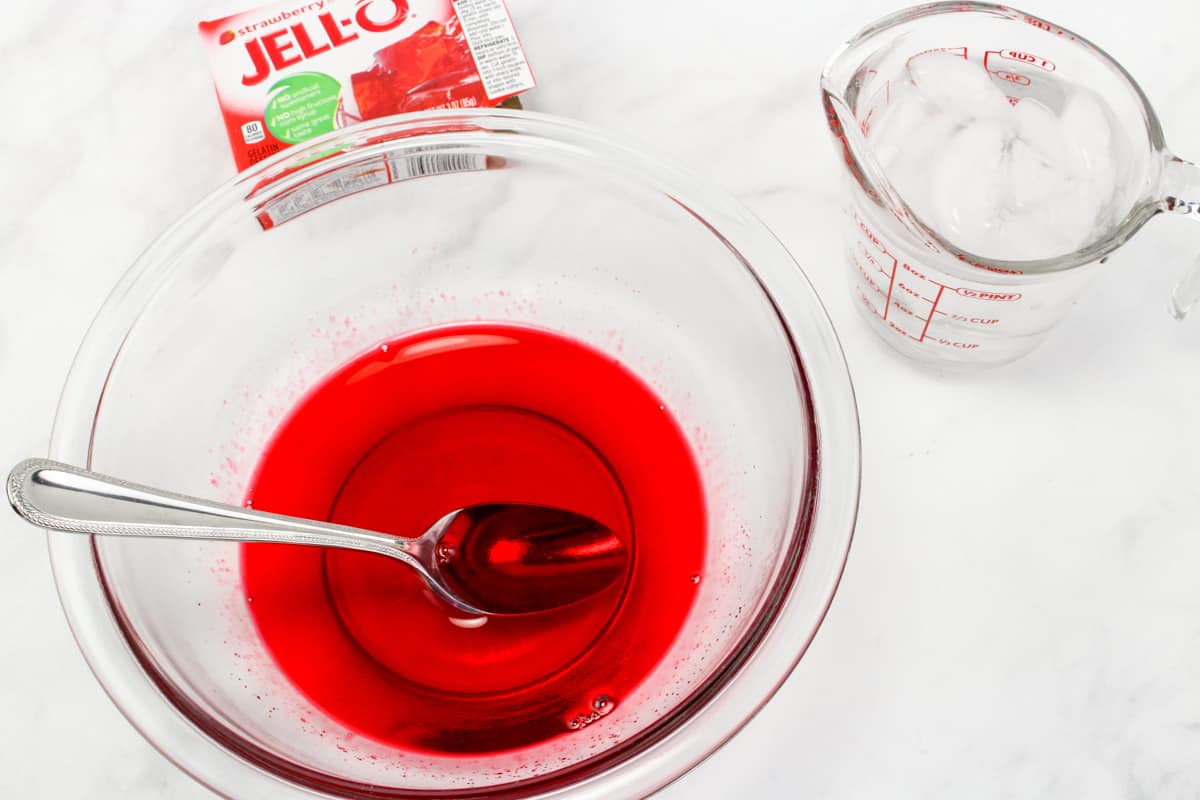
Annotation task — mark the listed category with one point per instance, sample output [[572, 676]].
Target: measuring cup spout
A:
[[1181, 184], [841, 79]]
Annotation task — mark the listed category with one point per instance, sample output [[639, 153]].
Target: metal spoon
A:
[[483, 560]]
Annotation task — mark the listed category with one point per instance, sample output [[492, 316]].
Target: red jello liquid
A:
[[443, 419]]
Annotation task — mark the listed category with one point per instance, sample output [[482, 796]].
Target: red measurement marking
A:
[[1029, 58], [871, 307], [909, 268], [891, 284], [867, 231], [873, 239], [989, 267], [1046, 26], [930, 317], [1011, 77], [978, 295], [892, 299], [866, 300], [870, 258], [1003, 74], [905, 309], [971, 320], [867, 277], [962, 51]]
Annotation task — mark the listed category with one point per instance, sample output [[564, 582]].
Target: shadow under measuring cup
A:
[[996, 160]]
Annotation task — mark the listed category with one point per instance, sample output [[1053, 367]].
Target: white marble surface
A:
[[1020, 616]]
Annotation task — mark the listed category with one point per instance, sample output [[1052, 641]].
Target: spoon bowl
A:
[[512, 558], [488, 560]]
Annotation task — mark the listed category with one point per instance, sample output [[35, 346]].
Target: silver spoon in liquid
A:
[[483, 560]]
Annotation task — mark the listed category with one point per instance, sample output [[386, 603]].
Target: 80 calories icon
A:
[[252, 132]]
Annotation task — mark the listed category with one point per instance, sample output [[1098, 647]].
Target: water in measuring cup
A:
[[1012, 172]]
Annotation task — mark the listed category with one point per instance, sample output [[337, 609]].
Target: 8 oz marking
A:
[[1011, 77]]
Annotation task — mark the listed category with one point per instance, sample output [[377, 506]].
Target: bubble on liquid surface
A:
[[445, 552], [695, 579], [602, 704]]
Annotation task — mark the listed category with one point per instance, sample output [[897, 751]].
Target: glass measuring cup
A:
[[996, 160]]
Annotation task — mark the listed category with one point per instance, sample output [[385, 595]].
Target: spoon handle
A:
[[62, 497]]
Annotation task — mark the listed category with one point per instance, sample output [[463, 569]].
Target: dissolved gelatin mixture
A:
[[447, 418]]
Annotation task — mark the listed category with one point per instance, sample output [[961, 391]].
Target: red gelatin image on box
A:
[[432, 68]]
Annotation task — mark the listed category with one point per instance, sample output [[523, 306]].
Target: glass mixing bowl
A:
[[326, 250]]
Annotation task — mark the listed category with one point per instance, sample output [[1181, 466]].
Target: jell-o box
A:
[[288, 72]]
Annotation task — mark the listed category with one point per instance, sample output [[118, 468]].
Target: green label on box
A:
[[302, 106]]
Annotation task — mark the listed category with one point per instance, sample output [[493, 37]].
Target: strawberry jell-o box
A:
[[287, 72]]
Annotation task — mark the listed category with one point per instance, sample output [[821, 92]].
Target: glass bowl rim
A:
[[711, 716]]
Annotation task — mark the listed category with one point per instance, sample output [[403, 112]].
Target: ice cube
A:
[[1041, 129], [1100, 153], [1032, 178], [894, 123], [906, 158], [1004, 181], [1087, 126], [1068, 223], [968, 185], [956, 85]]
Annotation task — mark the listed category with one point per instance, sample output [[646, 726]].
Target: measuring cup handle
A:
[[1181, 180]]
